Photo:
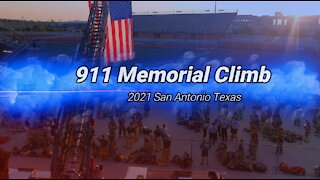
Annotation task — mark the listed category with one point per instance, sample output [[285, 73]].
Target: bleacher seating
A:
[[183, 23]]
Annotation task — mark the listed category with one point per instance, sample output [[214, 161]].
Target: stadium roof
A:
[[183, 23]]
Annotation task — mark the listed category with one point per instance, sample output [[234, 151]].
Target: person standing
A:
[[254, 121], [225, 110], [224, 130], [164, 130], [298, 115], [148, 143], [240, 151], [204, 152], [213, 134], [112, 127], [140, 125], [218, 124], [158, 138], [276, 119], [280, 141], [122, 126], [234, 129], [165, 154], [307, 131], [103, 141], [130, 136], [134, 124], [146, 109], [113, 111], [112, 146], [166, 142], [205, 127], [240, 110], [138, 120], [253, 146]]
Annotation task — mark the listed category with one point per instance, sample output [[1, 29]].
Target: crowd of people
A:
[[225, 122], [221, 128], [131, 128]]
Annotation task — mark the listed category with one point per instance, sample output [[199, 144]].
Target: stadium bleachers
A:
[[183, 23], [201, 30]]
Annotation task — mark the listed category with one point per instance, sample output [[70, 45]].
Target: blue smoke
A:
[[291, 83]]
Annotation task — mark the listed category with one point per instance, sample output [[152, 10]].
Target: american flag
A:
[[119, 42]]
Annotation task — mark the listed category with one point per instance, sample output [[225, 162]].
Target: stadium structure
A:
[[187, 29], [191, 29], [182, 28]]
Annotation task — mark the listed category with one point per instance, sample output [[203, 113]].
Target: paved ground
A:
[[301, 154]]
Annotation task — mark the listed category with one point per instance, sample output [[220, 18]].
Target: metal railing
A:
[[210, 11]]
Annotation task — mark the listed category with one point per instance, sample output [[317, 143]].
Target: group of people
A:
[[130, 132], [222, 123], [157, 141], [153, 142], [299, 115], [219, 128]]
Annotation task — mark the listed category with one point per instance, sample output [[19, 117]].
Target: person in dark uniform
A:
[[122, 126], [224, 130], [280, 141], [103, 141], [254, 121], [205, 126], [213, 134], [148, 143], [240, 151], [130, 136], [166, 142], [158, 138], [146, 109], [204, 151], [112, 146], [298, 114], [234, 129], [307, 131], [112, 127], [253, 146], [218, 123]]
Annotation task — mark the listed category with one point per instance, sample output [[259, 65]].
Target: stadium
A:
[[178, 29], [163, 40]]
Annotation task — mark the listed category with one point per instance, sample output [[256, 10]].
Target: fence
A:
[[184, 12]]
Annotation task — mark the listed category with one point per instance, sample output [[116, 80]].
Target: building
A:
[[276, 25]]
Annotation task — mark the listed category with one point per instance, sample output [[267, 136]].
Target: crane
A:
[[74, 132], [93, 41]]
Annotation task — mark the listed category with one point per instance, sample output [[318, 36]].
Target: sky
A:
[[78, 10]]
